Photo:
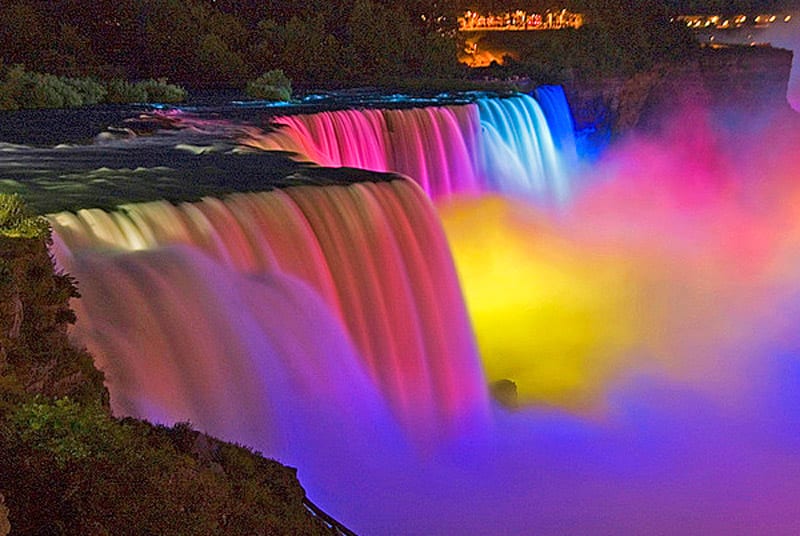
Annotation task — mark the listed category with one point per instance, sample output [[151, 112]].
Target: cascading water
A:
[[556, 110], [374, 254], [494, 145], [650, 322], [518, 152]]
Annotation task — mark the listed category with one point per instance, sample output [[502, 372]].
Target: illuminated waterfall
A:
[[556, 110], [650, 322], [496, 144], [366, 263], [519, 155]]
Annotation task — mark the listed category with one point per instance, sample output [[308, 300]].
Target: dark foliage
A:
[[21, 89], [226, 43], [70, 468], [200, 43]]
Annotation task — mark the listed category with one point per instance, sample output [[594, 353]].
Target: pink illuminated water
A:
[[499, 145], [374, 254], [650, 327]]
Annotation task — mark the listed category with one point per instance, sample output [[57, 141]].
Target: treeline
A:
[[316, 43], [675, 7], [621, 38], [731, 6], [201, 44]]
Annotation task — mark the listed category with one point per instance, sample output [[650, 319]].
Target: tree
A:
[[309, 55], [384, 40], [216, 64]]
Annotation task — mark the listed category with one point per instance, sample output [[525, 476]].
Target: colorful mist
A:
[[648, 324]]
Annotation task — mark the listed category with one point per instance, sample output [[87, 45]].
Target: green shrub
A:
[[167, 481], [161, 91], [7, 102], [25, 89], [66, 430], [21, 89], [123, 92], [90, 90], [273, 85], [120, 91], [13, 88], [50, 91], [17, 221]]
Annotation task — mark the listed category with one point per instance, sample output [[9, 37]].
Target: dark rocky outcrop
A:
[[725, 79], [505, 393]]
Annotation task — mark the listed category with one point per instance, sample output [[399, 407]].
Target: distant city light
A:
[[721, 23], [520, 20]]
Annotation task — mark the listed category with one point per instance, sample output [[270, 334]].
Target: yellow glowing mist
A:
[[551, 316], [566, 307]]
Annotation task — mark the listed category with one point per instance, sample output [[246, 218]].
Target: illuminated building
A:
[[520, 20]]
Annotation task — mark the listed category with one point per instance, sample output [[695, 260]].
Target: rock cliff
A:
[[732, 78]]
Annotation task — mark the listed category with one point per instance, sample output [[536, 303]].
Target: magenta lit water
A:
[[493, 145], [373, 255], [659, 307]]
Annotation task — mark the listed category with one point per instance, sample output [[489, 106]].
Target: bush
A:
[[17, 221], [21, 89], [90, 90], [49, 91], [169, 481], [123, 92], [12, 88], [119, 91], [161, 91], [67, 431], [273, 85]]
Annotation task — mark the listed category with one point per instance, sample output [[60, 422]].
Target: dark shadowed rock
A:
[[505, 392]]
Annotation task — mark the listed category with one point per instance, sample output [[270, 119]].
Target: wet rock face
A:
[[736, 80], [751, 79], [754, 76]]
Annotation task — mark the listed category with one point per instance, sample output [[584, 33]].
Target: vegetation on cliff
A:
[[67, 466], [70, 468]]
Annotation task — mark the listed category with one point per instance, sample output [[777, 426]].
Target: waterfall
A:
[[309, 286], [559, 118], [493, 145], [518, 152], [434, 146]]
